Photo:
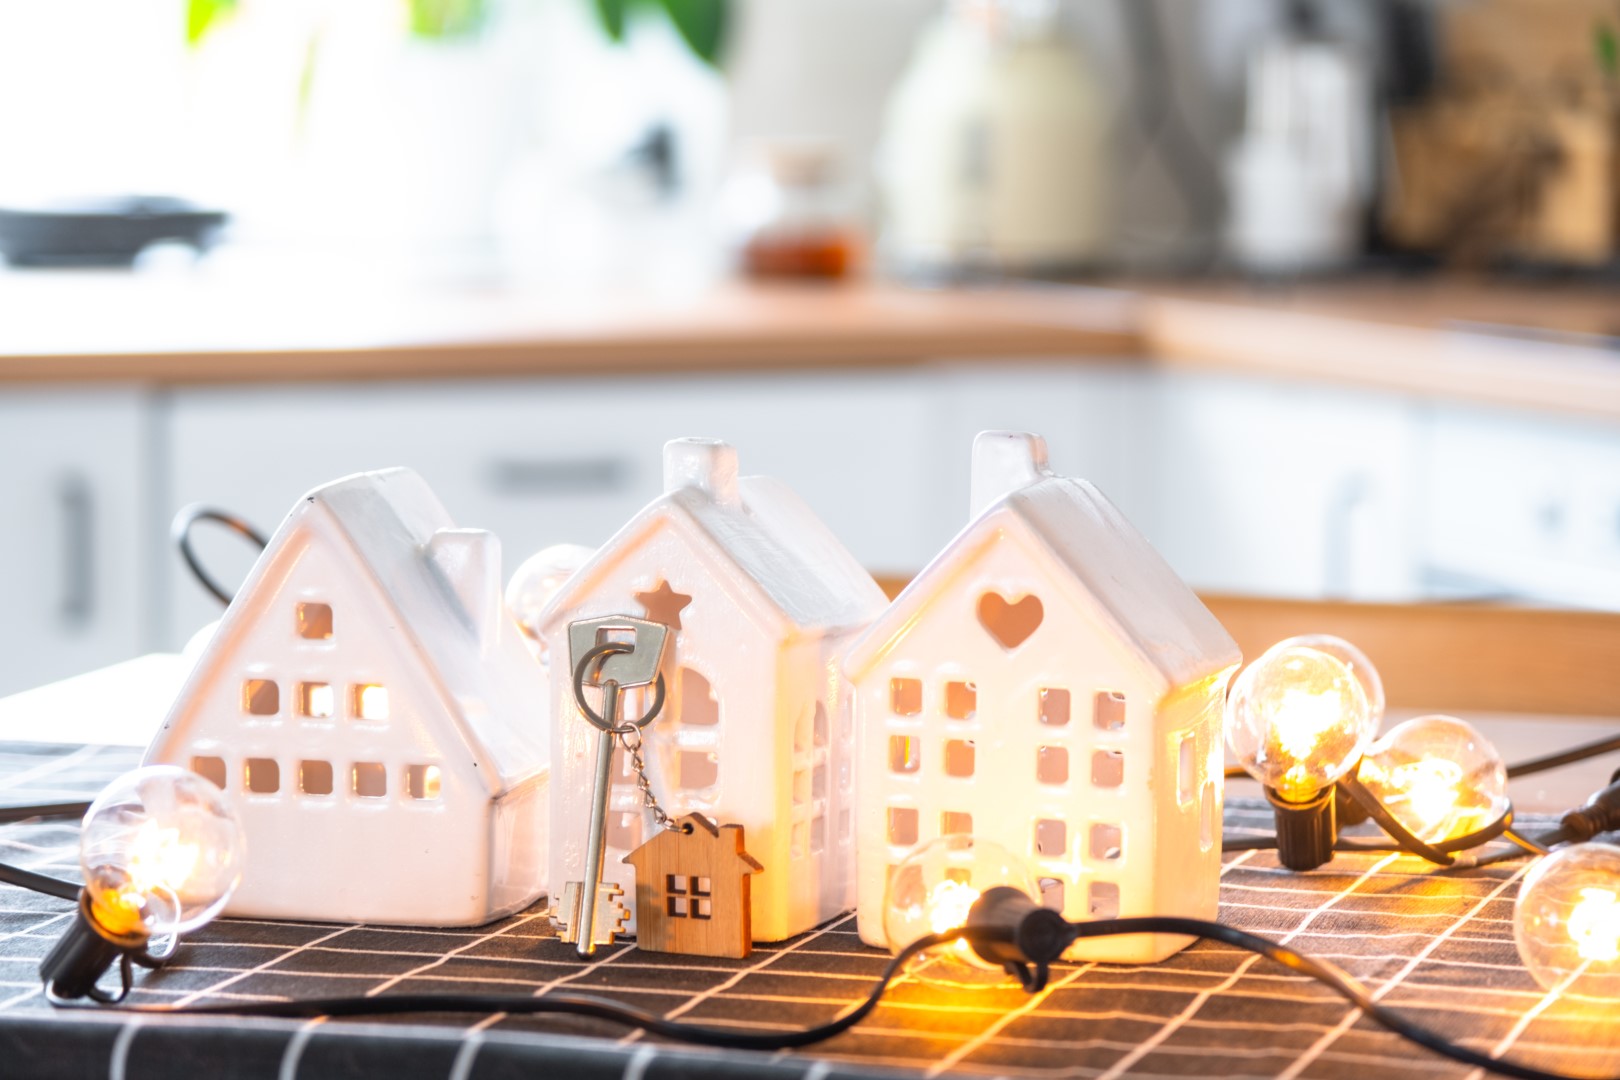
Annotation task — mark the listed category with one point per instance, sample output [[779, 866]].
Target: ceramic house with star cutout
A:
[[1050, 684], [369, 706], [762, 599]]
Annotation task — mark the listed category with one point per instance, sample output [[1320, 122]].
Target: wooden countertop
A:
[[1540, 346]]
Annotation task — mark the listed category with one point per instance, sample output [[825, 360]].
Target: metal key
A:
[[597, 648]]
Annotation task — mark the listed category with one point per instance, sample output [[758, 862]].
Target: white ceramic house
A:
[[370, 708], [1049, 683], [762, 599]]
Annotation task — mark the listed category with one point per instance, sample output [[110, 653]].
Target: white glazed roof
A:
[[1151, 609]]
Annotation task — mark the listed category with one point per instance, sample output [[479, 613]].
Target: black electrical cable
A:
[[40, 883], [604, 1009], [43, 812], [1565, 757], [181, 531]]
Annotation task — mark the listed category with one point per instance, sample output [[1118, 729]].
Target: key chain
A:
[[692, 878]]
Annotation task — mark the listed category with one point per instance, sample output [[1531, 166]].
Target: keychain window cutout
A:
[[903, 826], [1052, 764], [1107, 768], [961, 700], [1107, 842], [959, 757], [1054, 707], [905, 696], [263, 776], [1108, 711], [315, 700], [624, 831], [698, 706], [954, 821], [314, 621], [368, 701], [369, 779], [211, 769], [423, 782], [315, 777], [697, 769], [261, 697]]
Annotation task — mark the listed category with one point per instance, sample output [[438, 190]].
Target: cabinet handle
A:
[[76, 505], [559, 476]]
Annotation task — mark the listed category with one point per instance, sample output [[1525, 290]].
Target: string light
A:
[[161, 852], [1438, 777], [1566, 921]]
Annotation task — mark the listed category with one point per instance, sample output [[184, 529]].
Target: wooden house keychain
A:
[[692, 877]]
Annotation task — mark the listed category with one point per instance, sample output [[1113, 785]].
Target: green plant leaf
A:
[[611, 14], [702, 24], [203, 14], [1607, 48], [440, 19]]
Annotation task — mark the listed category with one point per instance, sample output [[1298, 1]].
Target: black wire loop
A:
[[180, 530]]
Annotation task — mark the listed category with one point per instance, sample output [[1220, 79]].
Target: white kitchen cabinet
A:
[[556, 460], [1286, 489], [1523, 505], [74, 531]]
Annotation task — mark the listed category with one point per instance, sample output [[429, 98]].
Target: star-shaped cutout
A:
[[664, 605]]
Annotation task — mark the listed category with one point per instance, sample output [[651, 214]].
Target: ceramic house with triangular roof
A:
[[1050, 684], [369, 705], [762, 600]]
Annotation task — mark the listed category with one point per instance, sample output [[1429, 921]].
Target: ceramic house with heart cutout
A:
[[1048, 683], [369, 706], [763, 600]]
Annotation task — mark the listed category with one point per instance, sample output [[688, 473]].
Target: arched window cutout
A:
[[698, 705]]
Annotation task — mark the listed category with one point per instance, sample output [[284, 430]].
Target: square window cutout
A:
[[1107, 768], [263, 776], [961, 700], [697, 769], [423, 781], [903, 826], [959, 757], [261, 697], [1108, 711], [952, 822], [314, 621], [370, 702], [369, 779], [905, 754], [1052, 764], [211, 769], [818, 834], [315, 777], [1102, 900], [1107, 842], [1051, 838], [1054, 707], [1052, 893], [315, 700], [905, 696]]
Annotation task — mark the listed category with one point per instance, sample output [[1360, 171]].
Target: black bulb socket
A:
[[82, 956], [1023, 932], [1306, 831]]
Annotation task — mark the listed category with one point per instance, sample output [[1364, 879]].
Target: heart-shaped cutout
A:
[[1010, 623]]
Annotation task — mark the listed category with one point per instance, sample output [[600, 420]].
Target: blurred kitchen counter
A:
[[1543, 346]]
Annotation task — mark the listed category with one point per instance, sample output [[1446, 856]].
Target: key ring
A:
[[608, 648]]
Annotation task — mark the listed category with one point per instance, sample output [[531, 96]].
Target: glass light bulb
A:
[[538, 579], [161, 851], [932, 890], [1372, 685], [1297, 719], [1438, 777], [1566, 921]]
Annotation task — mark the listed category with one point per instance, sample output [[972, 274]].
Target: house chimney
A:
[[708, 465], [469, 563], [1003, 462]]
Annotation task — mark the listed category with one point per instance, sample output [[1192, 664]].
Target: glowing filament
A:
[[1305, 718], [1594, 926]]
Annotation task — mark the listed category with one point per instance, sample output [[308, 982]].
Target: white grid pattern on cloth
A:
[[1438, 946]]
